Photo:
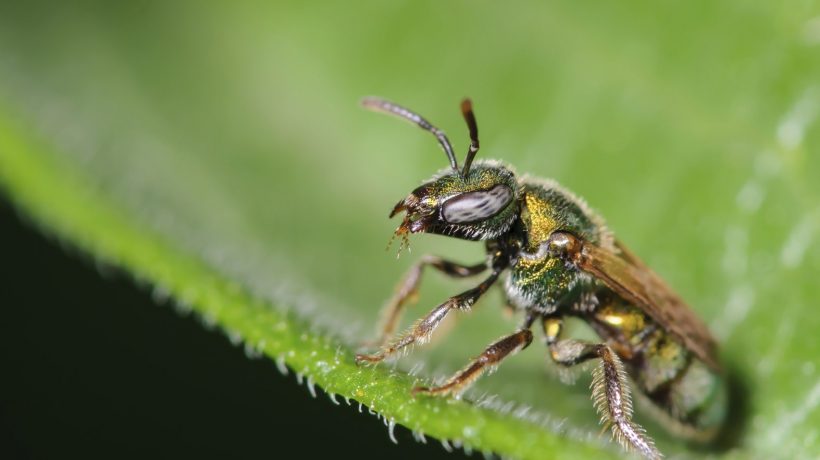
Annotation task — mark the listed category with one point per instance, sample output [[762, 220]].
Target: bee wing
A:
[[628, 276]]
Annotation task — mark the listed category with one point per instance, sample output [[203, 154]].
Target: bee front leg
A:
[[408, 288], [420, 331], [610, 391]]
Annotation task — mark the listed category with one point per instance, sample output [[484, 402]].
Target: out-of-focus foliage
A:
[[231, 134]]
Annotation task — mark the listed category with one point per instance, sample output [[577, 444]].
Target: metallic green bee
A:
[[558, 260]]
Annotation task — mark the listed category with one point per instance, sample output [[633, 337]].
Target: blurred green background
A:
[[234, 132]]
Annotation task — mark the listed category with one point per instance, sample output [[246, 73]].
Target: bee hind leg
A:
[[610, 391]]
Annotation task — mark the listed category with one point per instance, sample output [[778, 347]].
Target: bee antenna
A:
[[469, 117], [380, 105]]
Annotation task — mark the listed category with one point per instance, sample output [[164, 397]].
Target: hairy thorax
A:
[[537, 279]]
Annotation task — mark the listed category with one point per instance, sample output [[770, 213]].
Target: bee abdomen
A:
[[694, 402], [689, 397]]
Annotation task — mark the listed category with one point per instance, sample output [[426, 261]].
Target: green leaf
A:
[[219, 154]]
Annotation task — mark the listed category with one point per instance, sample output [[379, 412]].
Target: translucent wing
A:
[[627, 275]]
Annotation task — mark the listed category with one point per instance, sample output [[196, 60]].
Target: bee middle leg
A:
[[420, 331], [408, 288], [610, 390], [488, 360]]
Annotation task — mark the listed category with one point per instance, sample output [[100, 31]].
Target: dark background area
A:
[[93, 367]]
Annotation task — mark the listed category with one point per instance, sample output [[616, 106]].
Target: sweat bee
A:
[[556, 259]]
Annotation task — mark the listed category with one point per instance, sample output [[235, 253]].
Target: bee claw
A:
[[416, 390], [368, 359]]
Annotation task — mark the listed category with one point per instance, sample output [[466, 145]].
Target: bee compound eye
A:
[[476, 206]]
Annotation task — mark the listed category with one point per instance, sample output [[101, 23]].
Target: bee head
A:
[[475, 203], [479, 207]]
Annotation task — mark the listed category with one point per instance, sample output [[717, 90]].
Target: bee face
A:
[[481, 206]]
